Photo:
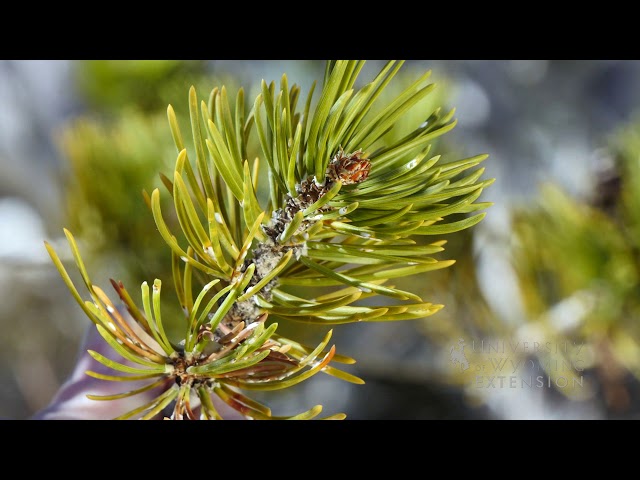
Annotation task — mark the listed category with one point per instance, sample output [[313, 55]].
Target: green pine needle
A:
[[347, 196]]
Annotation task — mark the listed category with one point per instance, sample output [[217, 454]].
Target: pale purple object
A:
[[71, 403]]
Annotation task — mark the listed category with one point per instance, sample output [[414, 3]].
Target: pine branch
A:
[[343, 208]]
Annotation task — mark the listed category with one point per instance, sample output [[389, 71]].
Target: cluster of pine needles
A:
[[343, 209]]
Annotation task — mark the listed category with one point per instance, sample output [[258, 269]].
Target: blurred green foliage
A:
[[116, 150], [105, 161], [148, 85], [578, 267]]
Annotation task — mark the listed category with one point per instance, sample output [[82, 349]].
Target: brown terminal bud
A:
[[348, 168]]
